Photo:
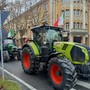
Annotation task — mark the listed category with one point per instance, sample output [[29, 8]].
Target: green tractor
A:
[[42, 52], [10, 50]]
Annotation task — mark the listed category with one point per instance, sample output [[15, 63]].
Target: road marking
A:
[[20, 80], [84, 84]]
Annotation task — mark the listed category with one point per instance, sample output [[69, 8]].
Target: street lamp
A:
[[2, 5]]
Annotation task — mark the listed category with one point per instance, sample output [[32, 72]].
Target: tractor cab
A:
[[9, 43], [44, 36]]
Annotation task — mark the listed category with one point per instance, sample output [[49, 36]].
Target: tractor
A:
[[10, 50], [42, 52]]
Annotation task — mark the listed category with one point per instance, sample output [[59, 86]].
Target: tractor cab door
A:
[[51, 37]]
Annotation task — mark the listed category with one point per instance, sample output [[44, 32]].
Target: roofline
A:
[[41, 26]]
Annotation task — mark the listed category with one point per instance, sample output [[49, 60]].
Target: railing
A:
[[82, 31]]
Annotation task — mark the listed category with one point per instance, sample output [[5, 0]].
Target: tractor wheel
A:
[[6, 56], [62, 74], [0, 55], [83, 71], [28, 61], [19, 55]]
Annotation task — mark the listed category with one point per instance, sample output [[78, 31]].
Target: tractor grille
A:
[[88, 49], [89, 54], [77, 54]]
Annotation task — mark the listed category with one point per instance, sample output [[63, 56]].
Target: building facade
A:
[[76, 18], [88, 7]]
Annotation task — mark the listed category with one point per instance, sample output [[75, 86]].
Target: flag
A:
[[4, 15], [60, 21], [11, 34]]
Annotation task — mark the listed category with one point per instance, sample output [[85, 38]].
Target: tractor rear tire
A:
[[62, 74], [28, 61], [6, 56]]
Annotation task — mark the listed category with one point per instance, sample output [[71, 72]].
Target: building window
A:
[[67, 25], [81, 12], [75, 1], [78, 25], [63, 11], [75, 11], [67, 12], [67, 1], [45, 16], [46, 7], [74, 25], [86, 25], [86, 13], [62, 1], [81, 25], [78, 12]]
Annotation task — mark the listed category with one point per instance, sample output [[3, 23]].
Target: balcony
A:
[[79, 31]]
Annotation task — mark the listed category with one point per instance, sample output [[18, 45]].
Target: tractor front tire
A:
[[19, 55], [62, 73], [28, 60], [6, 56]]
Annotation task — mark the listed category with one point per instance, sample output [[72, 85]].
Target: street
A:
[[39, 81]]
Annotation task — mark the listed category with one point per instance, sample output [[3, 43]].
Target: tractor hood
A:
[[11, 47], [75, 52]]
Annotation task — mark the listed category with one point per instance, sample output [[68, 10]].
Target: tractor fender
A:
[[55, 54], [32, 46], [25, 45]]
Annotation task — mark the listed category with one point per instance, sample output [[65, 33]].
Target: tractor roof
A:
[[44, 27]]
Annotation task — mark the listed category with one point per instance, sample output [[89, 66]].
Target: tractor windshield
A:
[[46, 35], [53, 35], [8, 41]]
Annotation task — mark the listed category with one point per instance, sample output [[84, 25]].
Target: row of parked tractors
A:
[[62, 61]]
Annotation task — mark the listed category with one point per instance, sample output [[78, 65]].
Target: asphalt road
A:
[[39, 81]]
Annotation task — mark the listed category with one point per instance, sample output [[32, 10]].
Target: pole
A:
[[1, 46]]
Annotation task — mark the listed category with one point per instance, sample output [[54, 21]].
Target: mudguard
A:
[[33, 46]]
